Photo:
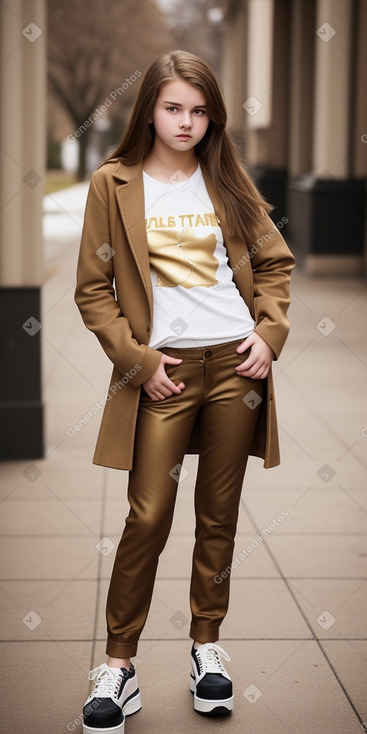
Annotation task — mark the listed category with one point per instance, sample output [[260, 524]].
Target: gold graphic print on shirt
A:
[[182, 257]]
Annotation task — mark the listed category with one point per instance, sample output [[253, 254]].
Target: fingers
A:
[[245, 345], [248, 363], [256, 370], [158, 392], [163, 393], [157, 395], [255, 373], [162, 387], [177, 389], [166, 359], [256, 366]]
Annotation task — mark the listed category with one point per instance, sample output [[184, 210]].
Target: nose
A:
[[185, 119]]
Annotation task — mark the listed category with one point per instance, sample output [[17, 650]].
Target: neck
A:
[[164, 161]]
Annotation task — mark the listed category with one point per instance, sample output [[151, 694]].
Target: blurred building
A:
[[22, 163], [295, 80]]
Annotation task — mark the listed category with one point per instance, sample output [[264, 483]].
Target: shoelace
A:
[[107, 684], [209, 658]]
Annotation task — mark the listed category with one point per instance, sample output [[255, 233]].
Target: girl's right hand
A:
[[159, 386]]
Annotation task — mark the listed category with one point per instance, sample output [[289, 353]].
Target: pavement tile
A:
[[299, 691], [44, 610], [337, 510], [48, 557], [66, 472], [53, 516], [349, 660], [326, 600], [298, 472], [262, 608], [32, 672], [116, 485], [320, 556]]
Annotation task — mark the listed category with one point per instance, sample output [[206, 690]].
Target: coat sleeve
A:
[[272, 264], [95, 293]]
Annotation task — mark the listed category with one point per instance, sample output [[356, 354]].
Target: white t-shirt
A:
[[196, 302]]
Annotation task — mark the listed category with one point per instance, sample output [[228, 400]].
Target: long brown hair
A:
[[242, 204]]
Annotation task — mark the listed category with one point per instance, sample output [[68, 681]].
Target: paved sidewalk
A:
[[296, 630]]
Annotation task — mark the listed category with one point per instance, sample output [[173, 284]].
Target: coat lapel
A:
[[130, 200]]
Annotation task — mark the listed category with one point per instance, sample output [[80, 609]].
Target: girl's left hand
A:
[[258, 363]]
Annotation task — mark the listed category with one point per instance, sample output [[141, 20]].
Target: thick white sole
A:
[[205, 706], [131, 707], [119, 729]]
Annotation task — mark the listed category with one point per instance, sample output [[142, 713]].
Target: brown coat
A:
[[115, 298]]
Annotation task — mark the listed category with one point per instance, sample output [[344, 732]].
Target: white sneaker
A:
[[115, 693], [209, 680]]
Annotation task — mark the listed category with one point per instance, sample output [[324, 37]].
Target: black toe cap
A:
[[102, 713], [214, 686]]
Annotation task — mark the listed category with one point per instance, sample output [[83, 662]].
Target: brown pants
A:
[[227, 423]]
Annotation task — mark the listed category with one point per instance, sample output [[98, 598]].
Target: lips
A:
[[184, 137]]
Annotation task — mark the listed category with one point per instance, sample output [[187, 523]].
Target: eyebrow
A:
[[178, 104]]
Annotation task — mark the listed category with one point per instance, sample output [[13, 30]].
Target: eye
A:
[[198, 113], [171, 109]]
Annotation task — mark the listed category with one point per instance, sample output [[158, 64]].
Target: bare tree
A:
[[94, 48]]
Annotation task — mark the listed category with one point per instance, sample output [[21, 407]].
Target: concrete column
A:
[[359, 128], [22, 139], [301, 99], [327, 204], [332, 89], [359, 123], [267, 101], [258, 104], [234, 66], [11, 144], [259, 63], [34, 140]]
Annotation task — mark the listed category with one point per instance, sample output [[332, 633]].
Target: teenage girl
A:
[[184, 279]]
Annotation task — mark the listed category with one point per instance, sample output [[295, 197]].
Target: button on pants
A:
[[227, 406]]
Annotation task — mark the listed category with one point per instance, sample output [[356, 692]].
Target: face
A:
[[179, 116]]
